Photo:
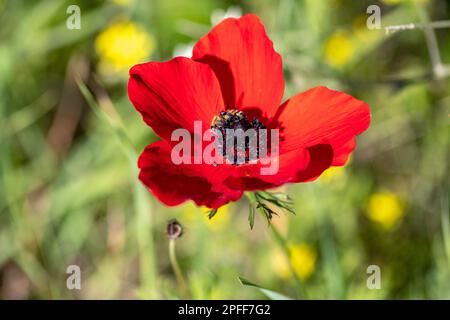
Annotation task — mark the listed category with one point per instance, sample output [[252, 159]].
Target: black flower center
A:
[[236, 136]]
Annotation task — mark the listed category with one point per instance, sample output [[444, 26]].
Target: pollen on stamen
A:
[[231, 150]]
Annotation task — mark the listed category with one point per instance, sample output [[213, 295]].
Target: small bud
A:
[[174, 229]]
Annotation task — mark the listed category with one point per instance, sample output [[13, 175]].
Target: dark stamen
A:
[[234, 120]]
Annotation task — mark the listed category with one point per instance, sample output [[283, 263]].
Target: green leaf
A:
[[212, 213], [251, 215], [277, 199], [260, 200], [265, 211], [272, 295]]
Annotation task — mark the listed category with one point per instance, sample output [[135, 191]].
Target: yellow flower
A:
[[189, 211], [385, 208], [303, 259], [122, 45], [220, 220], [332, 175], [123, 2], [339, 49]]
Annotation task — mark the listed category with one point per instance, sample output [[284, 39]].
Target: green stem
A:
[[281, 242], [431, 41], [177, 270]]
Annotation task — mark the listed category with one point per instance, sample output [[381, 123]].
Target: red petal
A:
[[322, 116], [174, 184], [299, 165], [246, 64], [320, 159], [173, 94]]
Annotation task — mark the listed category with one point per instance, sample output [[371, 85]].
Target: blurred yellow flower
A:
[[385, 208], [220, 220], [123, 2], [122, 45], [332, 175], [189, 211], [339, 49], [302, 258]]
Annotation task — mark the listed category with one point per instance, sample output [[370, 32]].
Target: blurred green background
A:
[[69, 192]]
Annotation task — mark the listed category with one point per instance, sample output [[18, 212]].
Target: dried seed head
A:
[[174, 229]]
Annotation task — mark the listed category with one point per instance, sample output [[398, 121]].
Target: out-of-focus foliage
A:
[[69, 192]]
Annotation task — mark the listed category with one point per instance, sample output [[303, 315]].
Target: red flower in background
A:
[[234, 67]]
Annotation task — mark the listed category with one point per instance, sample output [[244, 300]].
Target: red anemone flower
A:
[[235, 67]]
